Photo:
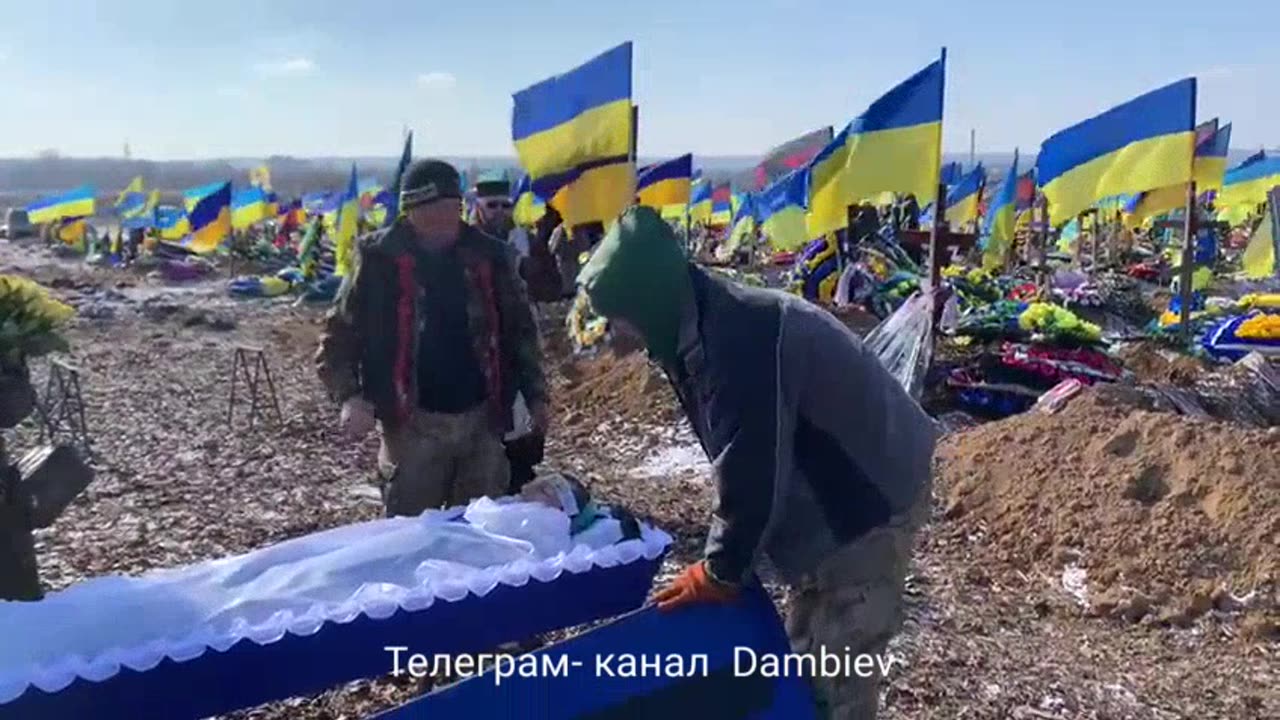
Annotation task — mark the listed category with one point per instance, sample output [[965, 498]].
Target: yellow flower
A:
[[1260, 327]]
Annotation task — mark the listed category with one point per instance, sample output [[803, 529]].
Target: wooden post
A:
[[1095, 232], [1188, 256], [936, 234]]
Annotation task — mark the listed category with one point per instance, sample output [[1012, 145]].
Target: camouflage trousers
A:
[[852, 605], [439, 460]]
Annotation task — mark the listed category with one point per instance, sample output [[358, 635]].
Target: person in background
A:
[[525, 446], [432, 336], [821, 460], [539, 269]]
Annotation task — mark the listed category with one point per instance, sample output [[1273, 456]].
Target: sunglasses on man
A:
[[496, 204]]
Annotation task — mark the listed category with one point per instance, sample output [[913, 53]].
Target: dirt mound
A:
[[1151, 366], [609, 386], [1167, 516]]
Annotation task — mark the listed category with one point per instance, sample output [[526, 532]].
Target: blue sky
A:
[[320, 77]]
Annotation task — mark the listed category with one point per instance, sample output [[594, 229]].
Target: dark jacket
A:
[[812, 441], [370, 343]]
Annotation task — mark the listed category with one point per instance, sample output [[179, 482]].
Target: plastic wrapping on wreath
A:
[[902, 342], [1223, 342]]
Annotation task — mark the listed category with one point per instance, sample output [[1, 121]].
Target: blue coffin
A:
[[211, 680]]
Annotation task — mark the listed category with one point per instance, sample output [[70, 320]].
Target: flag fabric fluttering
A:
[[962, 199], [73, 231], [248, 207], [1208, 169], [743, 225], [527, 208], [1146, 143], [951, 173], [172, 222], [1000, 224], [721, 205], [700, 201], [782, 212], [1259, 261], [1260, 155], [1026, 189], [1246, 185], [344, 239], [393, 201], [210, 220], [134, 187], [791, 155], [191, 196], [573, 135], [894, 146], [666, 183], [260, 177], [79, 202]]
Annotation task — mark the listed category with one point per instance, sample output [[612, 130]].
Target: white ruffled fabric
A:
[[93, 629]]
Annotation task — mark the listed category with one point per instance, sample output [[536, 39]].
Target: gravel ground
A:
[[177, 483]]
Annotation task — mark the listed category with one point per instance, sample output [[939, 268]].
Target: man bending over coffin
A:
[[432, 336], [821, 459]]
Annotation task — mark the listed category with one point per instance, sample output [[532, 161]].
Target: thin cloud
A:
[[437, 81], [292, 66], [230, 91]]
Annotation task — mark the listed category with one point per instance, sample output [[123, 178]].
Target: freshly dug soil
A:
[[1150, 366], [1168, 516]]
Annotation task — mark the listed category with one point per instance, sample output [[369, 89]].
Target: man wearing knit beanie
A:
[[820, 459], [432, 337]]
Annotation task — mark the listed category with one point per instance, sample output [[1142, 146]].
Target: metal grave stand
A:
[[250, 365], [61, 407]]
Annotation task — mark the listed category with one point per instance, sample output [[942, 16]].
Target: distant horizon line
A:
[[475, 158]]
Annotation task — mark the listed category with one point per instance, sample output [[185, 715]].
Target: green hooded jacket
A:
[[639, 274]]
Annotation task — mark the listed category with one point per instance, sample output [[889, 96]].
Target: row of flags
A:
[[1138, 156], [575, 136]]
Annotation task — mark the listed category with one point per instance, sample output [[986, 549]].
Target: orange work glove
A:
[[694, 585]]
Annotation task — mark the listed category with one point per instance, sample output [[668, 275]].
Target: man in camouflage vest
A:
[[432, 337]]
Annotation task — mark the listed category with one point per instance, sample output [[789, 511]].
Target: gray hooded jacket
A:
[[812, 441]]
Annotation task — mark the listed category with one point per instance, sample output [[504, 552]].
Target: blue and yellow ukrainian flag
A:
[[344, 239], [73, 232], [894, 146], [260, 177], [1001, 217], [666, 183], [210, 220], [962, 200], [700, 201], [172, 223], [1210, 166], [248, 207], [527, 208], [782, 212], [1146, 143], [191, 196], [133, 188], [744, 223], [1260, 155], [73, 203], [1259, 259], [573, 135], [131, 205], [1246, 186]]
